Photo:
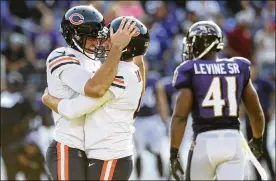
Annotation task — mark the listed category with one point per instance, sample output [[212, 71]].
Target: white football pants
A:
[[217, 154]]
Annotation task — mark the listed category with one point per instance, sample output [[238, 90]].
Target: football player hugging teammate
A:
[[76, 70], [105, 121]]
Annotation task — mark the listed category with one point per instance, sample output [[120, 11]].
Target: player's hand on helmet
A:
[[123, 35], [256, 146], [176, 168]]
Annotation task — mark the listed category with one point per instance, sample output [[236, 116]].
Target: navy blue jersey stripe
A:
[[119, 86], [71, 55], [65, 63], [119, 77]]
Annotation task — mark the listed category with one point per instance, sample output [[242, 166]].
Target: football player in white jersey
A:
[[109, 120], [74, 70]]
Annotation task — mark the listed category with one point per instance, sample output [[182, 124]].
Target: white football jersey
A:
[[109, 129], [67, 72]]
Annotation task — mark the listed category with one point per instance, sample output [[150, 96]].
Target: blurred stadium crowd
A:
[[30, 31]]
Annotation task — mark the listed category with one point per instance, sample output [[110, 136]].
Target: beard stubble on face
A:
[[92, 43]]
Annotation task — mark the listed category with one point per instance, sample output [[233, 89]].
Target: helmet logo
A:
[[76, 19]]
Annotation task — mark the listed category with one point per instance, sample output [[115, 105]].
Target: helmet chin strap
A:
[[206, 50], [89, 55]]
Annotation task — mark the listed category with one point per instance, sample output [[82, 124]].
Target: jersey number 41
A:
[[214, 99]]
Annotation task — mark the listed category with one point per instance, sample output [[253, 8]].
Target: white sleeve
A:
[[117, 86], [81, 105], [58, 64], [76, 78]]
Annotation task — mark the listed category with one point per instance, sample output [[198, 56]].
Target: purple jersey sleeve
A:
[[245, 68], [183, 75]]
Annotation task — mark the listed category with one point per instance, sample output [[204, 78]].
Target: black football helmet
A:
[[80, 23], [202, 37], [138, 44]]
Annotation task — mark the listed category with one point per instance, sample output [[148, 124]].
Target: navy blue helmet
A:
[[80, 23], [201, 38], [138, 44]]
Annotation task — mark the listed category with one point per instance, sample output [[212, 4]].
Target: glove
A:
[[256, 146], [176, 169]]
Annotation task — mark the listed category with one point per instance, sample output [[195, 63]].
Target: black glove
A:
[[256, 146], [176, 169]]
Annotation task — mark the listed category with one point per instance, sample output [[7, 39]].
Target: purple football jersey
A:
[[217, 87]]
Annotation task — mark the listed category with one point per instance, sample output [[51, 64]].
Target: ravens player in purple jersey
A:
[[212, 89]]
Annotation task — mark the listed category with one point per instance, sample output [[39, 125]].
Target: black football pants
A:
[[119, 169], [65, 163]]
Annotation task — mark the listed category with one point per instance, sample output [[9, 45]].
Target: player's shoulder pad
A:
[[182, 74], [243, 63], [185, 66], [241, 60], [60, 57]]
